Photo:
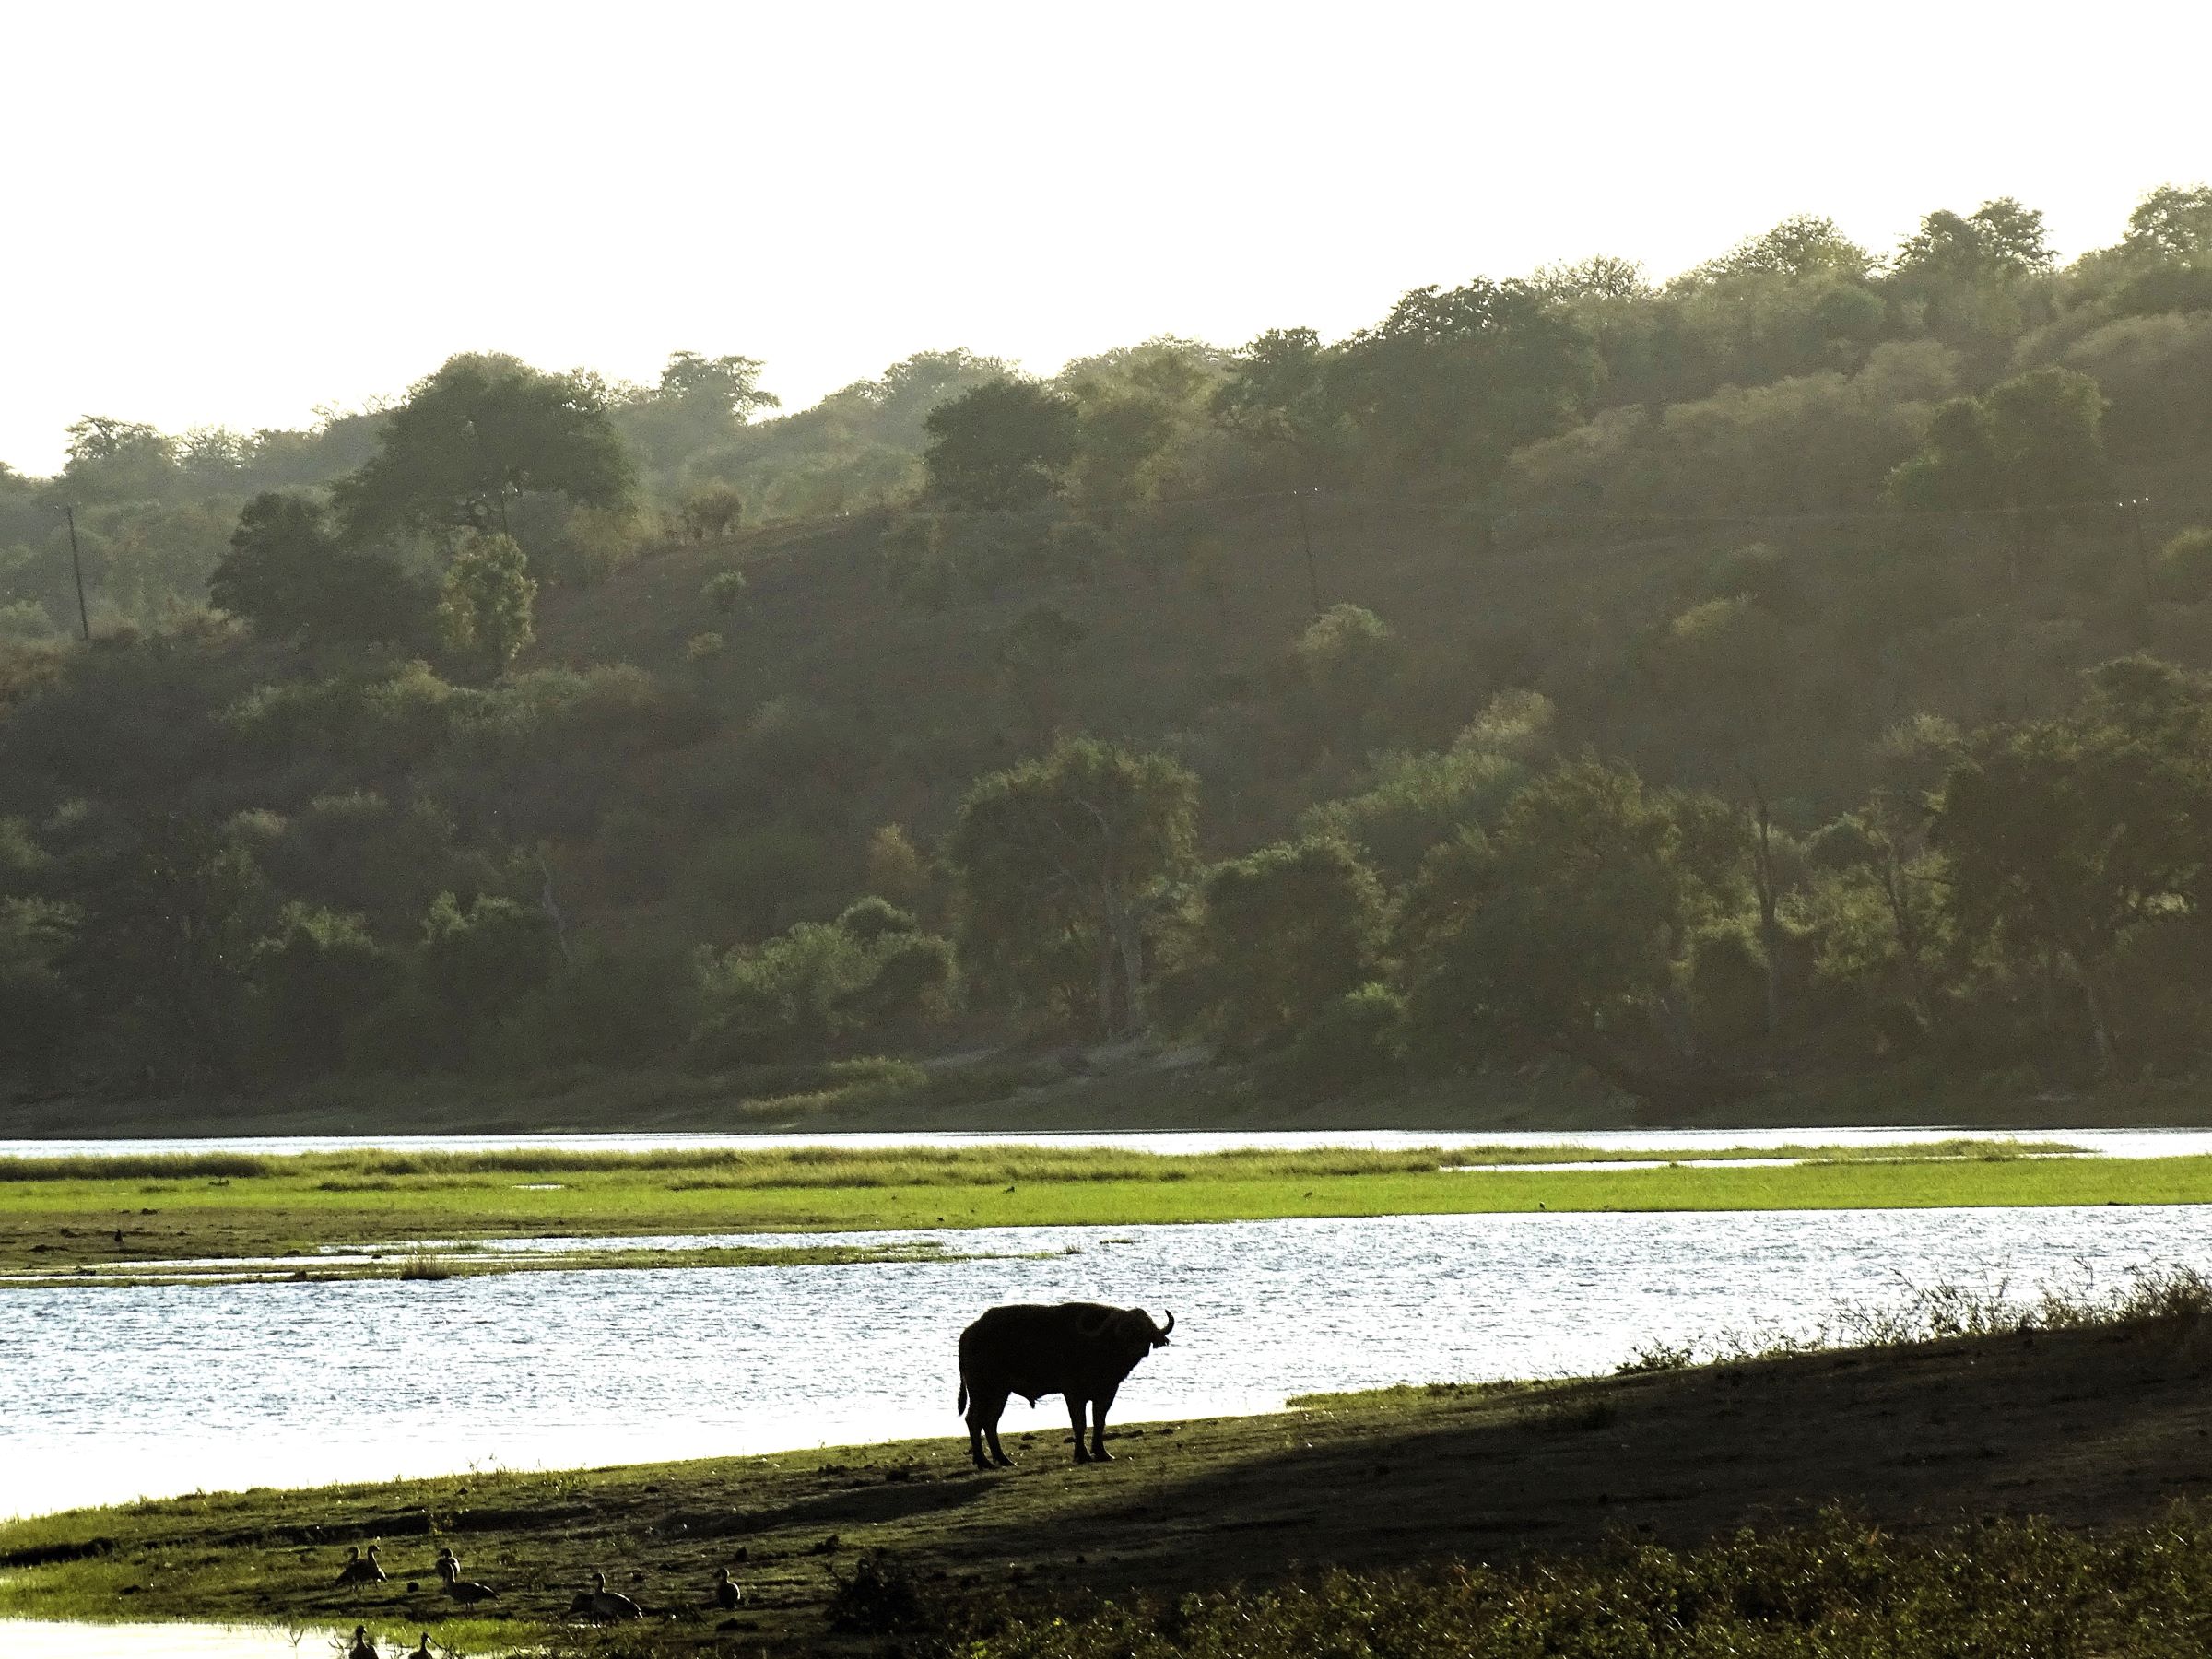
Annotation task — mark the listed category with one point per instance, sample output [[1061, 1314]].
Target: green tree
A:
[[485, 603], [2064, 837], [1570, 930], [724, 590], [320, 975], [480, 962], [2173, 223], [1282, 392], [162, 956], [2185, 567], [1599, 276], [111, 460], [1875, 908], [1804, 244], [2029, 449], [1286, 931], [1141, 415], [1454, 381], [474, 436], [713, 511], [810, 988], [288, 576], [729, 384], [700, 407], [41, 1020], [1062, 856], [1346, 660], [2000, 240], [1001, 445]]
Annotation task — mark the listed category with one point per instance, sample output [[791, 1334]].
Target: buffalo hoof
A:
[[1099, 1454]]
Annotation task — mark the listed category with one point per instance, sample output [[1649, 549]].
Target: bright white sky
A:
[[225, 213]]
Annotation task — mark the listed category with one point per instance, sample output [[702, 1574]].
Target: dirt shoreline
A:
[[2090, 1427]]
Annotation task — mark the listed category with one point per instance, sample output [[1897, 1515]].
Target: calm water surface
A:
[[36, 1638], [2110, 1143], [108, 1393]]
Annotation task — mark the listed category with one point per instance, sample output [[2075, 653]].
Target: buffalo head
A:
[[1130, 1329]]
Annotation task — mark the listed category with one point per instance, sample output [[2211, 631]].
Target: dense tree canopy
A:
[[473, 438], [1002, 444], [882, 726], [1058, 859]]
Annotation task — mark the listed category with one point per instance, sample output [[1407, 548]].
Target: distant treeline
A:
[[1793, 669]]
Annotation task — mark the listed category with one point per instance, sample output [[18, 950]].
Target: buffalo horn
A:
[[1169, 1328]]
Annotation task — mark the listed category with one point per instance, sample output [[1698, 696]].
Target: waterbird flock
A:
[[598, 1604]]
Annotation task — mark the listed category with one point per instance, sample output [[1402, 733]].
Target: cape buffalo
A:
[[1080, 1351]]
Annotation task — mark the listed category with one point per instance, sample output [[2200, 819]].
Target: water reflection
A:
[[111, 1393], [2112, 1143], [36, 1638]]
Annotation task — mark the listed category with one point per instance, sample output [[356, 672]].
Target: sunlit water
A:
[[2112, 1143], [108, 1393], [35, 1639]]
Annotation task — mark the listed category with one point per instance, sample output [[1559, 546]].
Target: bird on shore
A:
[[727, 1593], [422, 1650], [464, 1591], [599, 1602], [362, 1647], [360, 1569]]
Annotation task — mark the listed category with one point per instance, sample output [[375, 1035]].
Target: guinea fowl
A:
[[599, 1602], [360, 1569], [362, 1647], [464, 1591], [727, 1593]]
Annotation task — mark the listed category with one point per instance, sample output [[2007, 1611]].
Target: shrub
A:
[[321, 976], [481, 961], [1728, 988], [871, 919], [1356, 1044], [2184, 567], [1763, 574], [485, 604], [808, 989], [605, 1007], [1287, 929], [896, 868], [755, 882], [712, 511], [724, 590]]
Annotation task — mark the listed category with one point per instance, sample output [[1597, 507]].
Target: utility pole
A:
[[1305, 536], [77, 564], [2134, 506]]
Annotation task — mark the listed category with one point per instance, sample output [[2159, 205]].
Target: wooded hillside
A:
[[1788, 673]]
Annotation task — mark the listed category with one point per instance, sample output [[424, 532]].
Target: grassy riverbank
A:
[[126, 1214], [2095, 1427]]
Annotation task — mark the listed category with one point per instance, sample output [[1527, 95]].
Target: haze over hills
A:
[[1778, 682]]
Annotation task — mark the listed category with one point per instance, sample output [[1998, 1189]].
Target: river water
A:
[[2109, 1143], [108, 1393]]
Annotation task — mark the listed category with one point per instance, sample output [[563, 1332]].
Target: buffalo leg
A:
[[1098, 1426], [1075, 1416], [983, 1412]]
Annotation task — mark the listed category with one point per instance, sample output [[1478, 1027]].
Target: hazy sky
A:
[[227, 213]]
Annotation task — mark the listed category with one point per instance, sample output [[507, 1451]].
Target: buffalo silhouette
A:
[[1079, 1350]]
